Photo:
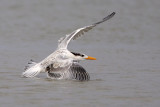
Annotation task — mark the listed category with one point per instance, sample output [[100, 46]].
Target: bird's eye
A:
[[82, 55]]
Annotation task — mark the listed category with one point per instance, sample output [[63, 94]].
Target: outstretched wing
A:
[[64, 41], [75, 72]]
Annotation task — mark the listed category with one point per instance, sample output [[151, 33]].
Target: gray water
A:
[[127, 47]]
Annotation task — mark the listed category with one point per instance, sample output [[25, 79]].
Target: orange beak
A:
[[90, 58]]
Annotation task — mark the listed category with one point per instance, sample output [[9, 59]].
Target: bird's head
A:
[[78, 56]]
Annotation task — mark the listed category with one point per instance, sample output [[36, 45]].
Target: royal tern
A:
[[63, 64]]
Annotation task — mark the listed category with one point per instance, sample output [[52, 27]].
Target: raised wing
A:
[[75, 72], [64, 41]]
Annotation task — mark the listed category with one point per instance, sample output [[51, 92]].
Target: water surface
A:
[[127, 47]]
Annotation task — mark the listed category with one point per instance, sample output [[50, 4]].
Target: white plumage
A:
[[63, 64]]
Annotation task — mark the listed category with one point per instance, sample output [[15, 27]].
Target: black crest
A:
[[77, 54]]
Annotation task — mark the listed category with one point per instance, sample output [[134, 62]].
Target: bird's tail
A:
[[32, 69]]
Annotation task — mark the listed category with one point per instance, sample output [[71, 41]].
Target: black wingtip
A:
[[112, 14], [109, 16], [106, 18]]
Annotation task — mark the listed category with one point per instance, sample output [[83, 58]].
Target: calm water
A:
[[127, 47]]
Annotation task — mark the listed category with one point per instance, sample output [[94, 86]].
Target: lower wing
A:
[[75, 72]]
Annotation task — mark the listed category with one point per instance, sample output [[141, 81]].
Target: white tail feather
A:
[[32, 69], [30, 64]]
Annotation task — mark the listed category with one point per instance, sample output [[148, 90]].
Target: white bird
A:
[[63, 64]]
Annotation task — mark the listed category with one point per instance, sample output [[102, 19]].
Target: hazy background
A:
[[127, 47]]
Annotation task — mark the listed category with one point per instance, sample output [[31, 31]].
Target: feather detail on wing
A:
[[30, 64], [32, 69], [75, 72], [64, 41]]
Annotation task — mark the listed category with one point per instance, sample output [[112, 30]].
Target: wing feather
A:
[[75, 72], [63, 42]]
